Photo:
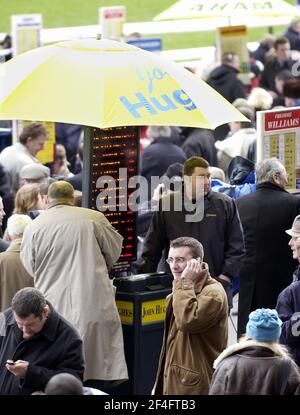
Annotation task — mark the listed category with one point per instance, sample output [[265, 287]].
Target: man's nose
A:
[[26, 330]]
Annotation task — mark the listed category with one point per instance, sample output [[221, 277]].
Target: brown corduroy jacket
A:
[[195, 334]]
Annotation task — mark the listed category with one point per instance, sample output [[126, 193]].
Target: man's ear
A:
[[46, 311]]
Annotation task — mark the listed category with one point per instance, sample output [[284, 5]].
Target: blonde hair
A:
[[260, 99], [26, 198], [16, 224]]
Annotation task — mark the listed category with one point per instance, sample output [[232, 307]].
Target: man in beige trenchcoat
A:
[[13, 275], [69, 250]]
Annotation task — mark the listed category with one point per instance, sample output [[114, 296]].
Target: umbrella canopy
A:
[[105, 83], [195, 9]]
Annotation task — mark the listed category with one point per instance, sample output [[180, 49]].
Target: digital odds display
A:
[[113, 161]]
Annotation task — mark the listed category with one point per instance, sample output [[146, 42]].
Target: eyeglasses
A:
[[179, 260]]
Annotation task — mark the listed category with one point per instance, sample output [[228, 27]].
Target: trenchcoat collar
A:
[[59, 202]]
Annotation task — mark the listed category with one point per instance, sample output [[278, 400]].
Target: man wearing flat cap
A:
[[34, 173]]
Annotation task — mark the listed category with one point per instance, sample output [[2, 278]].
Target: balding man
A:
[[69, 251], [64, 384]]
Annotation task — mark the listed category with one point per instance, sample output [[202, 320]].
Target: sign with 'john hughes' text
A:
[[153, 311]]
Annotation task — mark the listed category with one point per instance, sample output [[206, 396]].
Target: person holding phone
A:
[[196, 327], [10, 362], [36, 343]]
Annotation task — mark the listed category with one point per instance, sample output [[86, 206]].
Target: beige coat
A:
[[68, 251], [195, 334], [13, 275]]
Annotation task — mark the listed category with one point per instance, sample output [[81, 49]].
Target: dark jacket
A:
[[288, 307], [5, 181], [268, 264], [225, 81], [76, 181], [201, 142], [56, 348], [293, 37], [260, 53], [219, 231], [253, 368], [158, 156], [69, 136], [271, 69]]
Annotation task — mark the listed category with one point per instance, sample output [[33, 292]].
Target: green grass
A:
[[62, 13]]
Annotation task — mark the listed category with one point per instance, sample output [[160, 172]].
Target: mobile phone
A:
[[10, 362]]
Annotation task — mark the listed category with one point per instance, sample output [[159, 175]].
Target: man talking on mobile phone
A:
[[196, 327]]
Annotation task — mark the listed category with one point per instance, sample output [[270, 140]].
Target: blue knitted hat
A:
[[264, 325]]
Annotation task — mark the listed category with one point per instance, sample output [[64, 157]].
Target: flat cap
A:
[[34, 171]]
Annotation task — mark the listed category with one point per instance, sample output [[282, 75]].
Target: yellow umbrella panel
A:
[[104, 83]]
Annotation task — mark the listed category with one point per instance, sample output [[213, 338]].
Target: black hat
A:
[[239, 168], [174, 169]]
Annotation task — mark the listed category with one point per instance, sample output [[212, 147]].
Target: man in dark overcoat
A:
[[36, 343], [267, 267]]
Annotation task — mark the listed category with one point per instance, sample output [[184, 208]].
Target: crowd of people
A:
[[60, 331]]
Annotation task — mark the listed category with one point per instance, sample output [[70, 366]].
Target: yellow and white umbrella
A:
[[196, 9], [104, 83]]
